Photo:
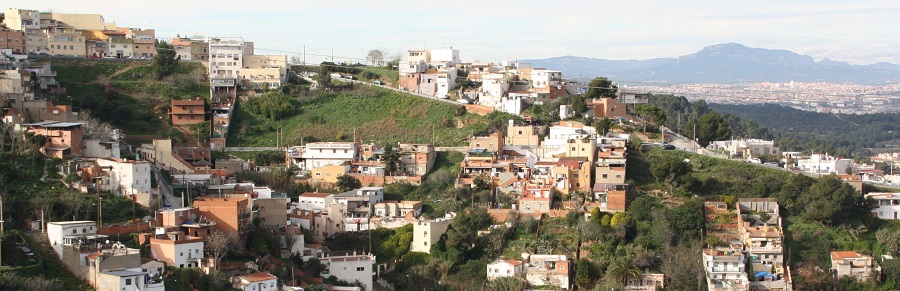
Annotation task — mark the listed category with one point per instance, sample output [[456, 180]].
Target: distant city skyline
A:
[[858, 32]]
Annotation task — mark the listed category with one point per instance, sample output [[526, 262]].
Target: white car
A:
[[463, 101], [754, 161]]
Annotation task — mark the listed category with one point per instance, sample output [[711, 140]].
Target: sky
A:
[[857, 32]]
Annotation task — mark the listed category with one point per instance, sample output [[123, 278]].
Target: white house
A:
[[126, 280], [505, 268], [427, 233], [321, 154], [495, 84], [63, 233], [314, 201], [547, 270], [888, 205], [360, 202], [176, 249], [545, 78], [353, 267], [262, 281], [128, 176], [825, 164], [102, 146]]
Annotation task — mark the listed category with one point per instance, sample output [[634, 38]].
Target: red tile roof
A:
[[256, 277]]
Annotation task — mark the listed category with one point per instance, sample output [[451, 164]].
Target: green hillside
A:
[[376, 114], [124, 93]]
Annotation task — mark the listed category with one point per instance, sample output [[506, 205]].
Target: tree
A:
[[600, 87], [619, 218], [669, 169], [166, 61], [623, 271], [391, 159], [346, 183], [462, 234], [578, 106], [323, 77], [649, 114], [220, 243], [829, 200], [313, 267], [583, 273], [603, 125], [297, 60], [710, 127], [686, 221], [375, 57], [890, 239]]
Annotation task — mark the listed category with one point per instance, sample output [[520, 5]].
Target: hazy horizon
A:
[[862, 32]]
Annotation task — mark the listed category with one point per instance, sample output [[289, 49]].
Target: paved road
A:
[[251, 149]]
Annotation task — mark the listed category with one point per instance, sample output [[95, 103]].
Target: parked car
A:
[[754, 161], [771, 164], [377, 82], [463, 101], [668, 147]]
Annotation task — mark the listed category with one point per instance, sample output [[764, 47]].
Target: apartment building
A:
[[108, 266], [229, 214], [725, 268], [127, 177], [185, 160], [67, 43], [825, 164], [314, 201], [225, 60], [177, 249], [188, 220], [536, 197], [13, 40], [403, 208], [64, 139], [187, 111], [120, 46], [490, 143], [759, 227], [888, 205], [143, 41], [416, 159], [428, 232], [523, 135], [321, 223], [360, 202], [29, 22], [572, 174], [855, 265]]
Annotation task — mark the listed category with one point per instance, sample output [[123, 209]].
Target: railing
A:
[[721, 269]]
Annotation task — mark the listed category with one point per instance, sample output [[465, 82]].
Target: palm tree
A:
[[622, 271]]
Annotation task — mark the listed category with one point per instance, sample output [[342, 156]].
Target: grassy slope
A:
[[383, 116], [133, 81]]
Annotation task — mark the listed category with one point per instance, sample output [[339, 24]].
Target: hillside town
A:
[[200, 208]]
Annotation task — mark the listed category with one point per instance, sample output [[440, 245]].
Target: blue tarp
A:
[[763, 274]]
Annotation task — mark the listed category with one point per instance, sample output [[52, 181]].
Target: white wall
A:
[[186, 251], [128, 177], [354, 268]]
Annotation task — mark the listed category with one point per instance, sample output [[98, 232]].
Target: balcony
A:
[[726, 269]]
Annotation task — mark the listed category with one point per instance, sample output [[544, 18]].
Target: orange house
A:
[[229, 214], [64, 139], [191, 111]]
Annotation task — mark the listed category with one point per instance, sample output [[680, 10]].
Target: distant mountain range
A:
[[725, 63]]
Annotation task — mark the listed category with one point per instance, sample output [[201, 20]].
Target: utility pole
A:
[[304, 55], [694, 141]]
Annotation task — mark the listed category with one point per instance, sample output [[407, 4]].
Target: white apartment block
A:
[[360, 202], [427, 233], [888, 205], [541, 79], [225, 60], [128, 176], [725, 269], [314, 201]]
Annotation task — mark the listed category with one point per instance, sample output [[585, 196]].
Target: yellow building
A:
[[67, 44]]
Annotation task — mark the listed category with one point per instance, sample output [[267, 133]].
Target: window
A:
[[360, 269], [128, 282]]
